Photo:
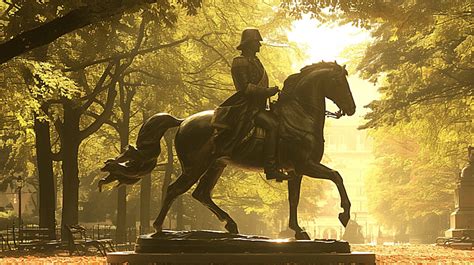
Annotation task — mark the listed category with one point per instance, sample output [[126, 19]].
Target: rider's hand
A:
[[272, 91]]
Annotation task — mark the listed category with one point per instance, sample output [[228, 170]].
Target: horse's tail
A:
[[130, 165]]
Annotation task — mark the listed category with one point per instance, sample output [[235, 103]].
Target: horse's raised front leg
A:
[[294, 185], [317, 170]]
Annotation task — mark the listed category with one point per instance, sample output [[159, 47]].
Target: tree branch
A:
[[59, 125], [111, 94], [58, 156], [203, 42], [99, 87], [108, 121], [154, 76], [127, 55], [75, 19]]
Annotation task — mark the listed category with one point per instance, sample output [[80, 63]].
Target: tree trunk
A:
[[179, 213], [44, 161], [71, 137], [124, 134], [47, 192], [121, 233], [145, 198], [70, 148]]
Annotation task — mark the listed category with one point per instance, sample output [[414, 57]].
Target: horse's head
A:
[[339, 91], [332, 79]]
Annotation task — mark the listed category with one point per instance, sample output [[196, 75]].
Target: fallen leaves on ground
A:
[[392, 254], [56, 260], [417, 254]]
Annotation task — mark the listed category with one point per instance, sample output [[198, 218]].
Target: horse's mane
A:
[[291, 81], [320, 65]]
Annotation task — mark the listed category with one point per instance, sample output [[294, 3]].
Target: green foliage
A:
[[50, 82], [16, 134], [420, 159]]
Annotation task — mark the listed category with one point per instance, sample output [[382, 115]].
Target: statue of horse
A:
[[302, 112]]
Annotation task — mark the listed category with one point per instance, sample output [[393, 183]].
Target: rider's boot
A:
[[269, 156]]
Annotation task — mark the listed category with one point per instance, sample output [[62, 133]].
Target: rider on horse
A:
[[250, 103]]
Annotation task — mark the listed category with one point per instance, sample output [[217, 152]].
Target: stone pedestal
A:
[[462, 219], [132, 258], [211, 247]]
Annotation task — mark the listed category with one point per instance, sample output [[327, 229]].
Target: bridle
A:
[[335, 115], [337, 79]]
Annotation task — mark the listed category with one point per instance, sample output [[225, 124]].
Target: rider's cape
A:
[[233, 119]]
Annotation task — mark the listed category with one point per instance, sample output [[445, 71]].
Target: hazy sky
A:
[[325, 42]]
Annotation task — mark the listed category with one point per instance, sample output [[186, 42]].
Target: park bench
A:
[[464, 243], [79, 243], [5, 241], [36, 238]]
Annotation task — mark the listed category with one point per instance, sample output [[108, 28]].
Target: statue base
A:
[[131, 258], [462, 219], [459, 233], [209, 247], [223, 242]]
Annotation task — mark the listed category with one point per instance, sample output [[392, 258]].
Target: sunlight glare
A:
[[325, 42], [328, 42]]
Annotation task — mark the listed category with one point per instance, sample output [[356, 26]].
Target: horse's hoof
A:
[[344, 218], [278, 176], [105, 181], [157, 234], [231, 228], [100, 184], [158, 231], [302, 235]]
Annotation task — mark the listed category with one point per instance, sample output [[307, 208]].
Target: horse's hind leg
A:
[[203, 194], [184, 182], [294, 186]]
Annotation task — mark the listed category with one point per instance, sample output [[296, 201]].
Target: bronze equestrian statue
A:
[[300, 112]]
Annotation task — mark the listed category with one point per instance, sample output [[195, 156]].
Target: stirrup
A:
[[277, 175]]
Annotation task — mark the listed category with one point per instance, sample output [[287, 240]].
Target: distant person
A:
[[353, 233]]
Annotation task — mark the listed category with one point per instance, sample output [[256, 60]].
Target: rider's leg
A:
[[268, 121]]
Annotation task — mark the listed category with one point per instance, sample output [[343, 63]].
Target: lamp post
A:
[[19, 185]]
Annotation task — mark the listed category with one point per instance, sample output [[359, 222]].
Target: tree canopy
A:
[[57, 18]]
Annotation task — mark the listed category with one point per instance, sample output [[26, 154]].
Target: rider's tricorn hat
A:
[[248, 35]]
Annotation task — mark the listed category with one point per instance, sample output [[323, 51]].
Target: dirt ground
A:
[[394, 254], [417, 254]]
